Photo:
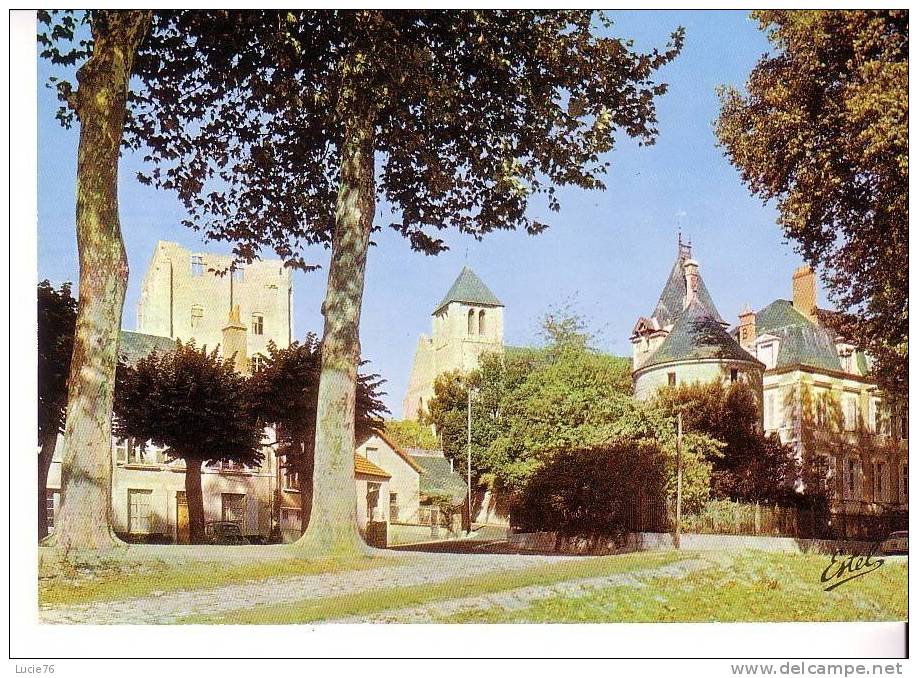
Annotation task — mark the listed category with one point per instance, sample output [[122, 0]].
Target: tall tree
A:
[[823, 129], [57, 311], [99, 103], [469, 114], [752, 466], [194, 404], [284, 392]]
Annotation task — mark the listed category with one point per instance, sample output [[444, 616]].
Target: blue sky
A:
[[611, 251]]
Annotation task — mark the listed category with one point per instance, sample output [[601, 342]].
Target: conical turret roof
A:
[[669, 306], [698, 334], [469, 289]]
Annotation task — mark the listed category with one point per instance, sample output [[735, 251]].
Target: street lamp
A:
[[472, 392]]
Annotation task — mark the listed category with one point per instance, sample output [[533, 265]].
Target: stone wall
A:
[[174, 290]]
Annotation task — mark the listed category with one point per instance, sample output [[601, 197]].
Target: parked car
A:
[[896, 542], [224, 532]]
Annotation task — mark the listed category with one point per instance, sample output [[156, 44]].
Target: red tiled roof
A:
[[367, 467]]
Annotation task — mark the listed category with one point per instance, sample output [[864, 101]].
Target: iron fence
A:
[[752, 519]]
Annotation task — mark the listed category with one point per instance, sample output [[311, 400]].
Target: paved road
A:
[[521, 598], [165, 608]]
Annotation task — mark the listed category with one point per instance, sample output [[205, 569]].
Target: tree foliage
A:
[[57, 310], [532, 404], [823, 129], [194, 404], [409, 433], [752, 466], [474, 112], [270, 124], [593, 491], [284, 393]]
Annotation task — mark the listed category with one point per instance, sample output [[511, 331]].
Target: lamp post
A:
[[469, 458], [678, 535]]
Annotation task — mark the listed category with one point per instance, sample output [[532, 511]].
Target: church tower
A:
[[467, 323]]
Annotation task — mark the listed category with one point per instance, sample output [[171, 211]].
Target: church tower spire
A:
[[467, 323]]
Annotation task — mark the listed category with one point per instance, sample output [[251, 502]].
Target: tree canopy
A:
[[100, 104], [282, 129], [194, 404], [57, 310], [474, 112], [823, 129], [409, 433], [285, 392], [751, 466]]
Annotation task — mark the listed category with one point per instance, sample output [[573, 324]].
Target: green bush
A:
[[595, 491]]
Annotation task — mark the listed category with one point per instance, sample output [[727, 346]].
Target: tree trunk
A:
[[195, 498], [306, 468], [332, 526], [45, 456], [84, 520]]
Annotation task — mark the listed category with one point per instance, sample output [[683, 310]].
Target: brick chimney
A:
[[805, 292], [690, 266], [747, 334], [234, 342]]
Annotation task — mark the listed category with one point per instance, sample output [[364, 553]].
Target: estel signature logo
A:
[[842, 570]]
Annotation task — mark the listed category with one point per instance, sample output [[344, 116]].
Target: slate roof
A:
[[439, 478], [133, 346], [669, 306], [803, 342], [698, 334], [469, 289]]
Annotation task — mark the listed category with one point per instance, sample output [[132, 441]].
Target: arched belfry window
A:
[[472, 321], [481, 322]]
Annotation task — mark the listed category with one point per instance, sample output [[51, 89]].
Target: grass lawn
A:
[[63, 584], [371, 602], [750, 587]]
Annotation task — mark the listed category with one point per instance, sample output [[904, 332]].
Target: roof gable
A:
[[468, 288], [399, 451]]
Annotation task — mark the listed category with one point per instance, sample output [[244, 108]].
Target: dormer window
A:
[[766, 351]]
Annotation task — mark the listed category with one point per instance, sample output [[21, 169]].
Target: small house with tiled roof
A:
[[398, 501], [820, 397], [685, 339], [468, 322]]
